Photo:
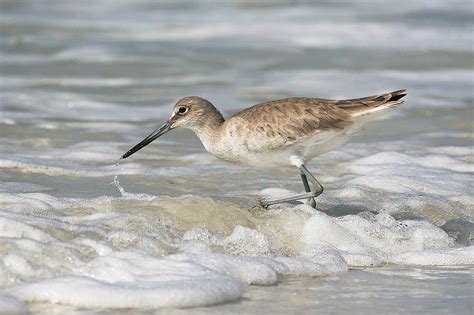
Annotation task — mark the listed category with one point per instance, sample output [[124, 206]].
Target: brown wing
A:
[[281, 123]]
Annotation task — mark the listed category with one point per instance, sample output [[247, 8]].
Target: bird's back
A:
[[278, 124], [273, 125]]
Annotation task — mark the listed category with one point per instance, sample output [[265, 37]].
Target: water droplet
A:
[[116, 182]]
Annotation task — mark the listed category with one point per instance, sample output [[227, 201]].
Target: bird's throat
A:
[[209, 132]]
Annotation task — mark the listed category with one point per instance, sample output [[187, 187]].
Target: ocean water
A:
[[174, 230]]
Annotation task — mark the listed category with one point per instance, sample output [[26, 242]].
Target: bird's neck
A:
[[208, 131]]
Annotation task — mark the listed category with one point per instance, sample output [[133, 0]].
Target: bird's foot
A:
[[311, 202], [260, 205], [264, 202]]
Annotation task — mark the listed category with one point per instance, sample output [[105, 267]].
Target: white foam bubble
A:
[[401, 236], [208, 289], [19, 266], [13, 228], [122, 263], [431, 186], [366, 239], [246, 241], [437, 257], [321, 232], [323, 264], [244, 269], [124, 280]]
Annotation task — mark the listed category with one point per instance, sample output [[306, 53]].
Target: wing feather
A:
[[278, 124]]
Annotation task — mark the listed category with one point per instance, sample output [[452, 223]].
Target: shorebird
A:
[[275, 134]]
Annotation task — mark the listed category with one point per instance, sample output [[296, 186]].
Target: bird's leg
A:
[[305, 174], [310, 194], [310, 201]]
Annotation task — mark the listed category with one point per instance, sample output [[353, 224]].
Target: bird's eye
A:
[[182, 110]]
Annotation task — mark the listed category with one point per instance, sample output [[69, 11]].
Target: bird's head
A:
[[191, 112]]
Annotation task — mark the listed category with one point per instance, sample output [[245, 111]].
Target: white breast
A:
[[231, 146]]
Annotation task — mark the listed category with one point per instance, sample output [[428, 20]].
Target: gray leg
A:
[[310, 193], [310, 201], [319, 188]]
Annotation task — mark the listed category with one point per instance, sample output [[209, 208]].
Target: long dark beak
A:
[[151, 137]]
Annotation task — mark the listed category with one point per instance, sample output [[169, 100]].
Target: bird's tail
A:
[[372, 106]]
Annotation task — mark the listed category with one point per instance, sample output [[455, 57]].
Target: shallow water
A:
[[81, 84]]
